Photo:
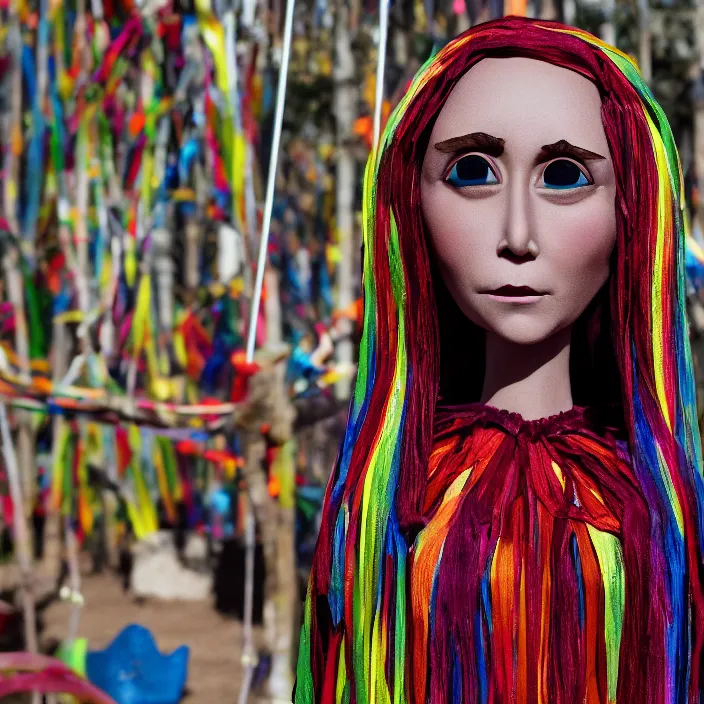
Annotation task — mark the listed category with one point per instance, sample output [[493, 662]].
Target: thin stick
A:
[[24, 479], [380, 68], [59, 376], [80, 237], [248, 656], [12, 159], [75, 581], [15, 289], [271, 180]]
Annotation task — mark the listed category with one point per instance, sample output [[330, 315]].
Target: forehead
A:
[[523, 101]]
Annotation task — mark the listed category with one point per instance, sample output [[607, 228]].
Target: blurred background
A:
[[160, 483]]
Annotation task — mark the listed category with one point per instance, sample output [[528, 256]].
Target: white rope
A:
[[380, 68], [271, 181]]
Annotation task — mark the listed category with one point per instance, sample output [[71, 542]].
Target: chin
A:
[[521, 325], [521, 336], [522, 329]]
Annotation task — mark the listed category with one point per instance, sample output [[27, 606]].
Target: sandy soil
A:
[[215, 642]]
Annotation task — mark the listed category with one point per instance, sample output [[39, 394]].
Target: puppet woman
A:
[[516, 512]]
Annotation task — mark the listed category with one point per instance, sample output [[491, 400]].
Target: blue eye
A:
[[562, 174], [471, 170]]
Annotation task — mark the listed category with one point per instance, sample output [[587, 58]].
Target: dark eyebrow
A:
[[564, 148], [479, 141]]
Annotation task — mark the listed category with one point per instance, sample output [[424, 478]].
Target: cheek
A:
[[459, 231], [584, 238]]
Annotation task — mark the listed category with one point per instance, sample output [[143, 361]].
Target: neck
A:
[[532, 380]]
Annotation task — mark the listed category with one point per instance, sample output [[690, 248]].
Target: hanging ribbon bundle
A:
[[134, 126], [130, 193]]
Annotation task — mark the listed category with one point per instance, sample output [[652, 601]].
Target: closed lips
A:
[[516, 291]]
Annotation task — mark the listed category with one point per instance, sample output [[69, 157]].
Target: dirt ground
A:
[[215, 642]]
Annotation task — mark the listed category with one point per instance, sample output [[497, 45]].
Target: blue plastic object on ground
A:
[[133, 671]]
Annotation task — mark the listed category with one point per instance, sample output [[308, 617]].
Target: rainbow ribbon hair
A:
[[355, 635]]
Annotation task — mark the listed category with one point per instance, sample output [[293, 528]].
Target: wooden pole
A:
[[644, 43], [275, 520], [344, 100], [23, 548], [15, 285], [12, 259], [13, 43], [252, 445]]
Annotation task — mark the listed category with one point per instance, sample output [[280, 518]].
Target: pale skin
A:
[[518, 191]]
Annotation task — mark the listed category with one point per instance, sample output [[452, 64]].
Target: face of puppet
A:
[[518, 193]]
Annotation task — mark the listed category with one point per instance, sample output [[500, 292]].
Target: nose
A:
[[519, 235]]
